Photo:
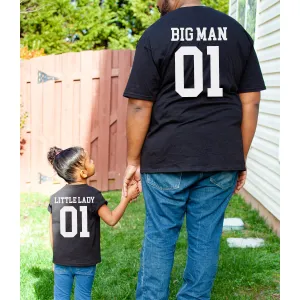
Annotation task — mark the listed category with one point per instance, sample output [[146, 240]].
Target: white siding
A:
[[263, 164], [264, 169]]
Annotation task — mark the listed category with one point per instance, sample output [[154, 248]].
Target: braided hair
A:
[[66, 162]]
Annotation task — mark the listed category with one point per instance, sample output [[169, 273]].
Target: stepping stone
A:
[[233, 224], [245, 242]]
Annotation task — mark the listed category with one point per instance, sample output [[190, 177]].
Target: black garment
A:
[[76, 225], [194, 129]]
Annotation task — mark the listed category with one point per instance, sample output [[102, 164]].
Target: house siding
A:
[[263, 181]]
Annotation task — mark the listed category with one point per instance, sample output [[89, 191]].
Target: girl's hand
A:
[[133, 191]]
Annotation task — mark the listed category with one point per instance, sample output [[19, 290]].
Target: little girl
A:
[[76, 210]]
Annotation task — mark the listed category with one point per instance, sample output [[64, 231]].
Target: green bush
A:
[[59, 26]]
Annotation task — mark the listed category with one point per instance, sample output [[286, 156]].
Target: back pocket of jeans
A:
[[224, 180], [164, 181]]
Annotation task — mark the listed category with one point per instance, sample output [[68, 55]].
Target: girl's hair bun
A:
[[52, 153]]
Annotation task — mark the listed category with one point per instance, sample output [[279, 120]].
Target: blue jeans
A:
[[202, 198], [63, 281]]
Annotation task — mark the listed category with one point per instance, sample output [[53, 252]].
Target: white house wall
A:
[[263, 161]]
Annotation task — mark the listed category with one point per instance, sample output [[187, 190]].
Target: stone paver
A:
[[245, 242], [233, 224]]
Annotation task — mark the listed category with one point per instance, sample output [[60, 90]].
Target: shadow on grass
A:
[[43, 288]]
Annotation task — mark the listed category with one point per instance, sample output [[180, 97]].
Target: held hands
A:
[[133, 191], [132, 177]]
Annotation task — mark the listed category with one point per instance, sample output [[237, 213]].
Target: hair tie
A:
[[57, 153]]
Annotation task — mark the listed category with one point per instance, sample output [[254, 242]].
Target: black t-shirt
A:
[[76, 225], [193, 63]]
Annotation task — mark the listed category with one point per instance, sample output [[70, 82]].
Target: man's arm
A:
[[250, 108], [138, 121]]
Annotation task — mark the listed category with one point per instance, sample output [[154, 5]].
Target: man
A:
[[194, 93]]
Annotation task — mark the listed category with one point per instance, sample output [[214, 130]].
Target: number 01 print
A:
[[214, 90], [73, 211]]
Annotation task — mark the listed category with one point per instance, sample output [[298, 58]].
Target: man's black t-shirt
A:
[[76, 225], [193, 63]]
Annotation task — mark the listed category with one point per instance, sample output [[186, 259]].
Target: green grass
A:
[[243, 273]]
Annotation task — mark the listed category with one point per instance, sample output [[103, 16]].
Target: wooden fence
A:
[[75, 99]]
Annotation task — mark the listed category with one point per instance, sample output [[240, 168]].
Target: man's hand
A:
[[132, 173], [241, 181]]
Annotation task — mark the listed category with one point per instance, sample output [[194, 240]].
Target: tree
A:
[[134, 16], [60, 26], [28, 54], [251, 18], [241, 11], [221, 5]]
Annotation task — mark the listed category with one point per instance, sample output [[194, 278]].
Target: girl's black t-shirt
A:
[[193, 63], [76, 225]]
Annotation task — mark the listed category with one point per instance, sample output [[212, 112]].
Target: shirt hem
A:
[[77, 264], [100, 205], [254, 89], [137, 96], [195, 169]]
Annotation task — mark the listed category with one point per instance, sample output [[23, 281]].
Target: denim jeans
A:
[[63, 281], [169, 197]]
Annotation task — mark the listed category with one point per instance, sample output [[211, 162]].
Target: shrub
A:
[[28, 54]]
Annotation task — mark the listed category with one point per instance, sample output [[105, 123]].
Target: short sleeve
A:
[[50, 208], [252, 78], [144, 79], [98, 202]]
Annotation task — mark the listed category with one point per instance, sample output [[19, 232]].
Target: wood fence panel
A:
[[36, 121], [27, 105], [113, 122], [67, 102], [48, 106], [86, 99], [124, 70], [104, 117], [76, 99], [23, 162], [57, 102], [95, 141], [84, 106]]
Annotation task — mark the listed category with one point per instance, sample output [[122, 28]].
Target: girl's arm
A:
[[51, 236], [112, 217], [50, 231]]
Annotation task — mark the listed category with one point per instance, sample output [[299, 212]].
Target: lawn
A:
[[243, 273]]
